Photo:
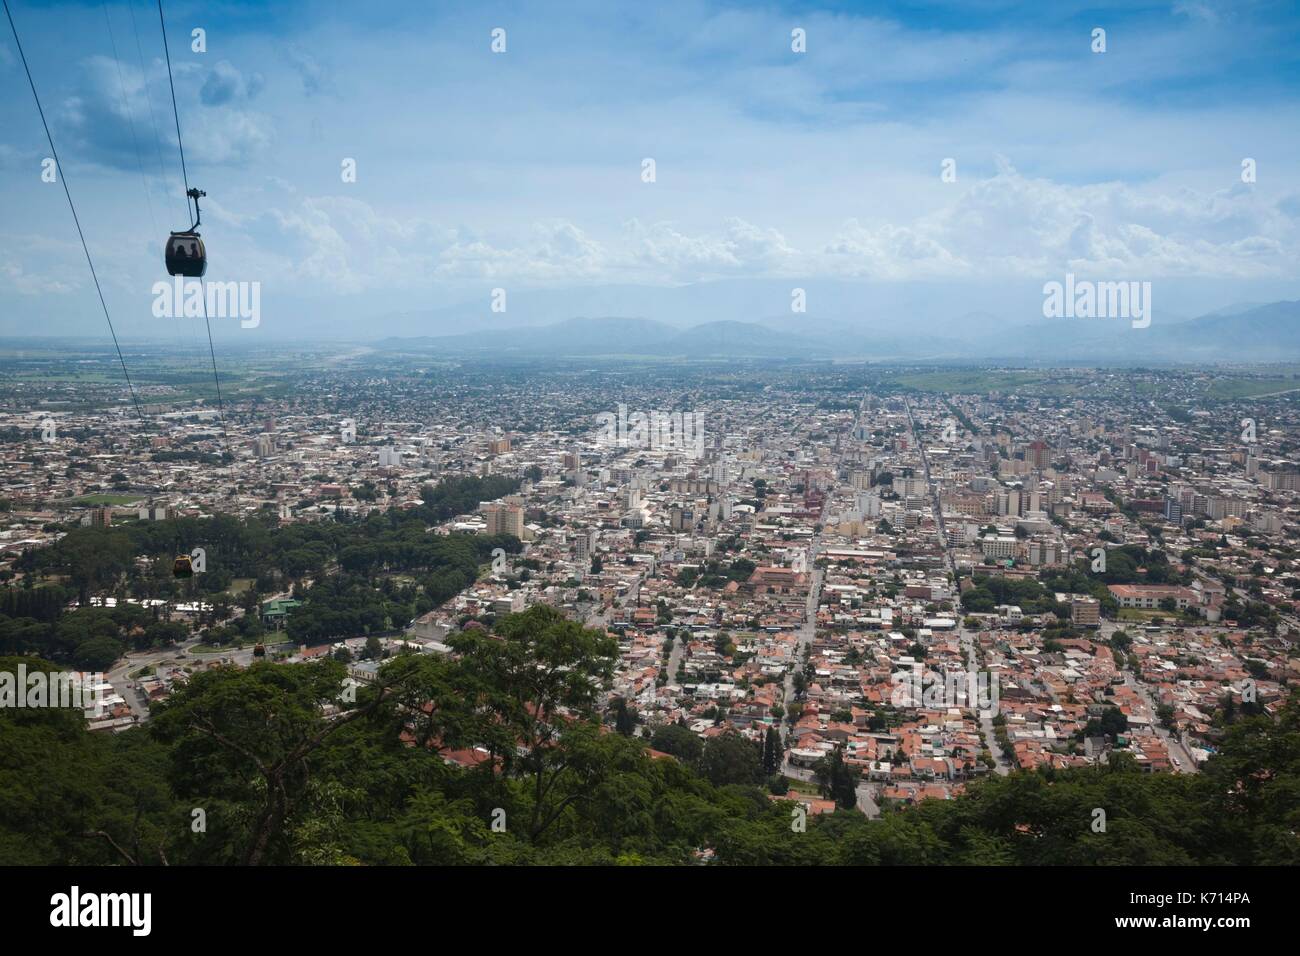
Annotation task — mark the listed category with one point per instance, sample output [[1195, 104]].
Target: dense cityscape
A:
[[854, 587]]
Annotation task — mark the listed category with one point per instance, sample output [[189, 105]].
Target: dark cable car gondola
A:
[[259, 649], [181, 567], [185, 253]]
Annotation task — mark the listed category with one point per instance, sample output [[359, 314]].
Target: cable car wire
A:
[[130, 117], [180, 144], [153, 117], [220, 407], [63, 178], [129, 111], [172, 83], [157, 149]]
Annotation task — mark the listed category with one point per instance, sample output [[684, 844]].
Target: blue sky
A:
[[522, 170]]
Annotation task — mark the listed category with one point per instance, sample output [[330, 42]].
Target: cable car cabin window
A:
[[186, 256]]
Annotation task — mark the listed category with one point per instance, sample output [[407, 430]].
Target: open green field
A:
[[1146, 617], [104, 499], [1221, 386], [1230, 388], [979, 381], [281, 644], [806, 787]]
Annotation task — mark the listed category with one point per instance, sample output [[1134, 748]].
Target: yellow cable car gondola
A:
[[181, 567]]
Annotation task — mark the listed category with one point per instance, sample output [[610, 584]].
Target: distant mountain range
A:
[[646, 337], [1246, 333]]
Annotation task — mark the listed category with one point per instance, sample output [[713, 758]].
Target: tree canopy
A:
[[502, 753]]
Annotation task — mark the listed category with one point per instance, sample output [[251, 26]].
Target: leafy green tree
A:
[[837, 780], [426, 762], [541, 674], [97, 654], [624, 718], [773, 752], [729, 758], [679, 741], [243, 741]]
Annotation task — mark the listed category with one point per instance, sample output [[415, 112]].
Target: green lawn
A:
[[1249, 387], [104, 499], [805, 787], [1136, 614], [979, 381]]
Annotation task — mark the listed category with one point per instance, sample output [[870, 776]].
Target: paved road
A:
[[675, 657], [805, 636], [1002, 762], [1176, 747], [179, 655], [128, 686], [809, 629]]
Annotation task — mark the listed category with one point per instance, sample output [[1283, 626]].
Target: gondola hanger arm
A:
[[195, 194]]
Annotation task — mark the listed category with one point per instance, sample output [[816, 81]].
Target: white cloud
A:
[[34, 265], [1006, 225], [226, 84], [114, 112]]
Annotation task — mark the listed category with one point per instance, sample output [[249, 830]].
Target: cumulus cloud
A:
[[228, 136], [741, 247], [108, 111], [550, 250], [225, 84], [343, 245], [1015, 225], [1005, 225], [101, 109]]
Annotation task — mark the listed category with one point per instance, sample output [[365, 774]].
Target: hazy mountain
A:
[[1259, 333], [612, 335], [1236, 308]]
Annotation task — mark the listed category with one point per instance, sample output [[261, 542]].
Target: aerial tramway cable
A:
[[157, 148], [153, 117], [130, 116], [170, 82], [194, 194], [63, 178], [129, 111]]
